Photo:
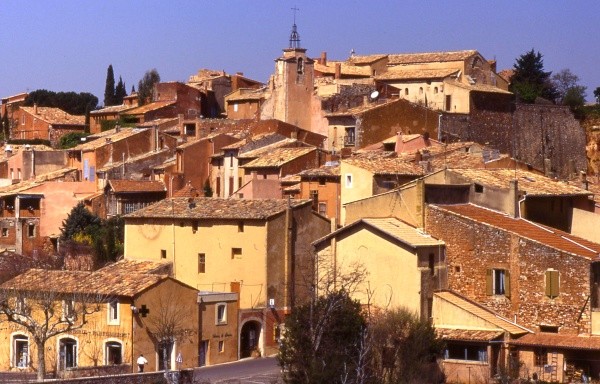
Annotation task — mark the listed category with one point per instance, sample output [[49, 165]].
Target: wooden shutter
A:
[[552, 283], [489, 282], [506, 283]]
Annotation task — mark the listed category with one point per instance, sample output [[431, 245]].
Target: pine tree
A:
[[79, 221], [132, 89], [146, 86], [109, 89], [530, 81], [120, 92]]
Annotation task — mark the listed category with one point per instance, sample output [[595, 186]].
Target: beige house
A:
[[403, 265], [257, 248]]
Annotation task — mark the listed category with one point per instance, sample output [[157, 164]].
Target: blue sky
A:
[[67, 45]]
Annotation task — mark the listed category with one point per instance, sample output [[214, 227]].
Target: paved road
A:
[[251, 371]]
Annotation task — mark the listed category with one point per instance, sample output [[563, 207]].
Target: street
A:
[[253, 371]]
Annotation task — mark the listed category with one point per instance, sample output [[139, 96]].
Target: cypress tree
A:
[[109, 89], [120, 92]]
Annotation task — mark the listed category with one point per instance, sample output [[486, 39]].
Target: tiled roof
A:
[[467, 334], [130, 160], [136, 186], [403, 232], [278, 157], [345, 69], [150, 107], [479, 87], [254, 153], [462, 159], [113, 282], [138, 266], [110, 137], [216, 208], [399, 74], [187, 191], [246, 94], [393, 227], [54, 116], [507, 74], [385, 165], [111, 109], [322, 171], [167, 121], [256, 141], [290, 179], [481, 312], [553, 340], [529, 182], [366, 59], [362, 109], [550, 237], [428, 57]]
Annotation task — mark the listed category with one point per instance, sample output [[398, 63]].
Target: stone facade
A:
[[472, 248]]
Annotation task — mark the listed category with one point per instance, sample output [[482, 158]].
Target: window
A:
[[221, 346], [236, 253], [31, 230], [435, 90], [201, 263], [113, 312], [221, 314], [194, 226], [113, 353], [69, 310], [231, 160], [323, 209], [540, 357], [300, 66], [4, 232], [448, 103], [420, 90], [470, 352], [241, 226], [322, 181], [478, 188], [406, 91], [498, 282], [348, 179], [21, 306], [350, 136], [67, 353], [432, 263], [235, 107], [163, 253], [549, 328], [20, 349], [552, 283]]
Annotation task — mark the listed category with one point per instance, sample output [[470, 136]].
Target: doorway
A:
[[249, 337], [68, 353]]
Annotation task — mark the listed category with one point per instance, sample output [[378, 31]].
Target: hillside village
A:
[[471, 210]]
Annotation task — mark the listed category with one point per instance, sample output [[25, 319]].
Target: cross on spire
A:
[[295, 36]]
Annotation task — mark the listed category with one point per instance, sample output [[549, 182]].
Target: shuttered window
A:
[[552, 283], [497, 282]]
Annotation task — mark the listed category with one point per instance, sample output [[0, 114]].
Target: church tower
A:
[[292, 84]]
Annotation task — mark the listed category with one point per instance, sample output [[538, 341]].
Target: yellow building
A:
[[403, 265], [258, 248], [125, 303]]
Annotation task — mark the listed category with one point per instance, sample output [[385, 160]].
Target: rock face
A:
[[592, 148]]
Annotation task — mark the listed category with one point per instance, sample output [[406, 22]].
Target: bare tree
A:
[[46, 314], [169, 323]]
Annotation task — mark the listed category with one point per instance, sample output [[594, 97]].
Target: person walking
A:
[[141, 361]]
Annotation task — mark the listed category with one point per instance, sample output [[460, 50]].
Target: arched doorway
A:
[[249, 337]]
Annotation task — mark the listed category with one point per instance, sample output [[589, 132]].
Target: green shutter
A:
[[506, 283], [552, 283], [489, 284]]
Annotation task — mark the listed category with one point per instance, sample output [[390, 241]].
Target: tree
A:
[[208, 191], [5, 126], [563, 81], [322, 339], [80, 222], [71, 139], [109, 88], [146, 86], [120, 92], [529, 80], [404, 349], [45, 313], [597, 94], [70, 102], [575, 97]]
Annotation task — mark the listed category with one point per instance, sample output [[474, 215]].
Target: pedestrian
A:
[[141, 361]]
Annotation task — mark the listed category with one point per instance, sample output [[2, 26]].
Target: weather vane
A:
[[295, 36]]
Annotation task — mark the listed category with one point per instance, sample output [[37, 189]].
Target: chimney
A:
[[338, 70], [35, 110], [240, 73], [583, 180], [514, 191], [400, 145], [323, 58]]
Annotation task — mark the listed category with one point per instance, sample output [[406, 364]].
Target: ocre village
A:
[[198, 223]]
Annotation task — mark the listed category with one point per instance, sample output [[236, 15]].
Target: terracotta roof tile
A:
[[113, 282], [149, 107], [106, 138], [323, 171], [550, 237], [479, 87], [136, 186], [399, 74], [362, 109], [403, 232], [187, 191], [467, 334], [529, 182], [366, 59], [345, 69], [428, 57], [278, 157], [216, 208], [551, 340], [111, 109], [54, 116], [385, 165]]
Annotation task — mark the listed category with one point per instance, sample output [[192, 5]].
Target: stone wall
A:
[[529, 132], [473, 247]]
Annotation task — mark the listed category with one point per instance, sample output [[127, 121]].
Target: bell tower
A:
[[292, 84]]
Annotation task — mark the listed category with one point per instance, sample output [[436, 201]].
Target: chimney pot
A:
[[338, 70], [323, 58]]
